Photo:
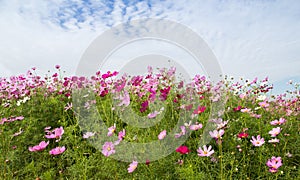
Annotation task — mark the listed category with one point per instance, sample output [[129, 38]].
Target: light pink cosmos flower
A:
[[246, 110], [278, 122], [56, 133], [153, 115], [57, 150], [217, 134], [46, 129], [206, 151], [68, 106], [121, 134], [257, 141], [220, 123], [275, 131], [18, 133], [108, 149], [242, 96], [41, 146], [111, 130], [183, 131], [88, 134], [275, 140], [125, 99], [162, 135], [264, 104], [132, 166], [195, 127]]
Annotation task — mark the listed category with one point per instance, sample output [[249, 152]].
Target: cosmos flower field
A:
[[255, 134]]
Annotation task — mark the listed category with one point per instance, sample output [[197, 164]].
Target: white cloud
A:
[[249, 38]]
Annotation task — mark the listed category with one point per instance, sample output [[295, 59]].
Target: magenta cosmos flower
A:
[[56, 133], [132, 166], [275, 131], [199, 110], [41, 146], [57, 150], [257, 141], [162, 135], [242, 135], [183, 150], [108, 149], [205, 151]]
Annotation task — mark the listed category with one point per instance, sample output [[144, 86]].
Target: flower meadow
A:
[[254, 136]]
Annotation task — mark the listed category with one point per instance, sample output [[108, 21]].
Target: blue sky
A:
[[249, 38]]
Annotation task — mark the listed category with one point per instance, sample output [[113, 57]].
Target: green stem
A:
[[221, 159]]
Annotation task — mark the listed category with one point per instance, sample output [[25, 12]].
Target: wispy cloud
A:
[[249, 38]]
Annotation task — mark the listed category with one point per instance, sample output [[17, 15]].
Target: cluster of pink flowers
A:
[[274, 163], [11, 119], [148, 89], [54, 134]]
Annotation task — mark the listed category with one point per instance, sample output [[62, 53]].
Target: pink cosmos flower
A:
[[275, 140], [18, 133], [68, 106], [162, 135], [125, 99], [121, 134], [217, 134], [183, 150], [153, 115], [242, 96], [263, 104], [220, 123], [195, 127], [88, 134], [206, 151], [108, 149], [274, 163], [257, 141], [111, 130], [57, 150], [246, 110], [132, 166], [183, 131], [278, 122], [46, 129], [41, 146], [275, 131], [56, 133]]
